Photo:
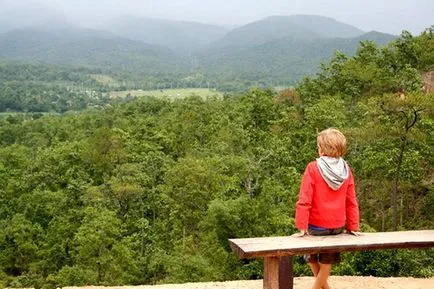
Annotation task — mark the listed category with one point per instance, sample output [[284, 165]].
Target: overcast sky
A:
[[391, 16]]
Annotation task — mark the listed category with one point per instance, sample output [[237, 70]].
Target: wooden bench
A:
[[278, 251]]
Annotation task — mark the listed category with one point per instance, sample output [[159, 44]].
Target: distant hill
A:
[[263, 31], [277, 27], [182, 37], [289, 57], [326, 26], [86, 48], [378, 37]]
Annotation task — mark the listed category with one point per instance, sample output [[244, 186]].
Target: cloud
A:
[[388, 15]]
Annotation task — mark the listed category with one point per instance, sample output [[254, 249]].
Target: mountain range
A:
[[275, 47], [85, 47]]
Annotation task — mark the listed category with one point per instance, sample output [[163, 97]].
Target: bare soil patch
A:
[[428, 80]]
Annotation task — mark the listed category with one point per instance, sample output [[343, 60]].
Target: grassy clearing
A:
[[103, 79], [280, 88], [171, 93]]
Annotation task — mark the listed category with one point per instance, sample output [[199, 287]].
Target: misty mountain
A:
[[326, 26], [85, 47], [301, 27], [283, 46], [378, 37], [273, 48], [290, 57], [182, 37]]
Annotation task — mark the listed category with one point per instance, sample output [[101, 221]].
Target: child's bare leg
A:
[[315, 268], [323, 275]]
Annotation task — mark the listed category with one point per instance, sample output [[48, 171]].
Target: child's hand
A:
[[354, 233], [302, 233]]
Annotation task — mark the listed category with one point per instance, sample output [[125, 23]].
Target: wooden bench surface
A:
[[289, 245]]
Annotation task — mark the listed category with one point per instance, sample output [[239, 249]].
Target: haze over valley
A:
[[232, 45], [275, 48]]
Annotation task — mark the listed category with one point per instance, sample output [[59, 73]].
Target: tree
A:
[[99, 247], [405, 112]]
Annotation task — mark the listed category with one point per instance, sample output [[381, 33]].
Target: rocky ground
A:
[[336, 282]]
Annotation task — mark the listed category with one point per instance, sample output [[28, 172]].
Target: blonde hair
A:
[[332, 142]]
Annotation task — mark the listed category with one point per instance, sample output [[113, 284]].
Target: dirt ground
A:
[[336, 282]]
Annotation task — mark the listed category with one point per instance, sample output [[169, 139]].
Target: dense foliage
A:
[[149, 191], [39, 88], [36, 87]]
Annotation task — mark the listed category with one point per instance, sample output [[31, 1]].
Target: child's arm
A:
[[302, 233], [352, 207], [304, 203]]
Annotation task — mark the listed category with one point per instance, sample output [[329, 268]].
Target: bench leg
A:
[[286, 278], [278, 273]]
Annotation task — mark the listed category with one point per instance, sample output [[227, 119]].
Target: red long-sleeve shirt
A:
[[321, 206]]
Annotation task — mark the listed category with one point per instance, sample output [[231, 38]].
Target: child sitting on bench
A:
[[327, 201]]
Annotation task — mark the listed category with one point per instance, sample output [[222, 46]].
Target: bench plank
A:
[[289, 245]]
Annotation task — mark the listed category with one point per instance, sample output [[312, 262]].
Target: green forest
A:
[[148, 190]]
